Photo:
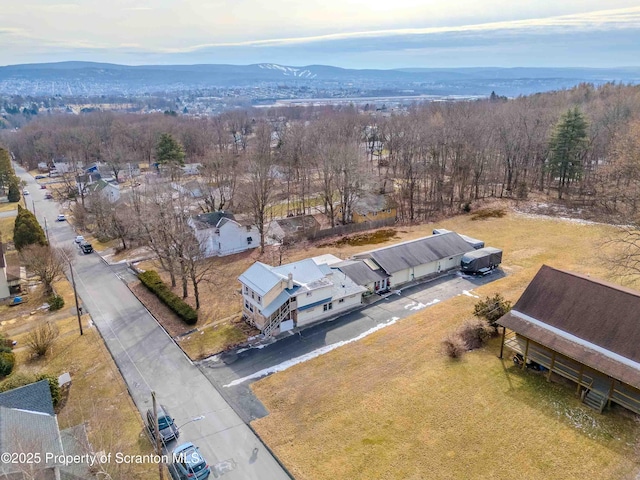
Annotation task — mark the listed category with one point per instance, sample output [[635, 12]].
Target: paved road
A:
[[232, 373], [149, 360]]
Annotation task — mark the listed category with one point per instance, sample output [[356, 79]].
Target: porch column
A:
[[526, 352], [580, 377], [553, 362]]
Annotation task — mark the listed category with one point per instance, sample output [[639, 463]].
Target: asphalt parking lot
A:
[[232, 373]]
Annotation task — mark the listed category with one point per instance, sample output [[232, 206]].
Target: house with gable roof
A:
[[28, 424], [220, 234], [582, 329], [277, 299]]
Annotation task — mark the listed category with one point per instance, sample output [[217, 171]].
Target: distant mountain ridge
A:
[[91, 78]]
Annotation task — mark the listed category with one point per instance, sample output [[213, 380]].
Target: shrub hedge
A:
[[7, 361], [20, 379], [154, 283], [56, 302]]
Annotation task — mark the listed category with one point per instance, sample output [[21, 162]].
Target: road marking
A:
[[311, 355]]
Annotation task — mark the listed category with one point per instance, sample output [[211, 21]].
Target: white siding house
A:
[[219, 234], [277, 299], [415, 259]]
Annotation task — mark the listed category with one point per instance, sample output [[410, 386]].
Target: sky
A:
[[344, 33]]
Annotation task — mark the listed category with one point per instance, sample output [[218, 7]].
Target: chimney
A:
[[290, 281]]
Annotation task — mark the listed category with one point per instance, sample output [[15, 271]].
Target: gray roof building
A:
[[401, 256], [205, 221], [360, 272]]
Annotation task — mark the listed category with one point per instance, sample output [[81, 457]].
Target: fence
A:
[[351, 228]]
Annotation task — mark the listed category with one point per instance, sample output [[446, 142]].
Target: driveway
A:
[[234, 372], [149, 360]]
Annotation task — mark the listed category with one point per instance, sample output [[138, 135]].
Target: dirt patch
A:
[[169, 320], [368, 238], [489, 213]]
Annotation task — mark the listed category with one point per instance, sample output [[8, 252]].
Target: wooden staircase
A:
[[594, 400], [275, 323]]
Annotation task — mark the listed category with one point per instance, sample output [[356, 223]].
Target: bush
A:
[[466, 208], [7, 361], [453, 346], [475, 332], [41, 339], [14, 191], [154, 283], [491, 309], [489, 213], [54, 387], [56, 302]]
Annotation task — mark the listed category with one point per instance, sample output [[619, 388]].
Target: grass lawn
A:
[[391, 406], [98, 395], [8, 206]]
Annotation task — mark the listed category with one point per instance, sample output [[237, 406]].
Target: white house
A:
[[106, 190], [4, 284], [277, 299], [415, 259], [219, 234]]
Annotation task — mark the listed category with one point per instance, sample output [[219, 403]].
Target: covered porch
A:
[[596, 389]]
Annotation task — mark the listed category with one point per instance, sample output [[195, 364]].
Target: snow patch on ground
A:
[[309, 356], [469, 294]]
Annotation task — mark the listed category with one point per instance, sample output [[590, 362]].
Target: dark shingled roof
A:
[[596, 312], [35, 397], [211, 219], [418, 252], [359, 272]]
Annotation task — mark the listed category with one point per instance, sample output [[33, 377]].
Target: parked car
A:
[[61, 218], [166, 425], [86, 248], [79, 239], [40, 177], [25, 192], [43, 187], [188, 462], [48, 196]]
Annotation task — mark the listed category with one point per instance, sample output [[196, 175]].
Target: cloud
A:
[[628, 18]]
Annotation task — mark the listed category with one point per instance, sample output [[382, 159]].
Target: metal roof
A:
[[284, 295], [360, 273], [260, 278], [474, 242], [401, 256]]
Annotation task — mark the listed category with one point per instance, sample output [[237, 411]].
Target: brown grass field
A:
[[391, 406]]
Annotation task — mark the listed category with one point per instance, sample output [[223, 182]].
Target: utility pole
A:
[[75, 294], [33, 204], [156, 428], [46, 230]]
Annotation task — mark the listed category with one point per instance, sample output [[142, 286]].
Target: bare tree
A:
[[41, 339], [261, 179], [45, 262]]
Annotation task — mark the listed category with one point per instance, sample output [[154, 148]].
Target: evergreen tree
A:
[[14, 190], [568, 146], [169, 151], [27, 230], [6, 170]]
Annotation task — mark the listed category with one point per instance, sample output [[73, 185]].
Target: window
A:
[[309, 294], [251, 308], [327, 306], [341, 300], [259, 299], [249, 240], [246, 305], [252, 295], [246, 289]]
